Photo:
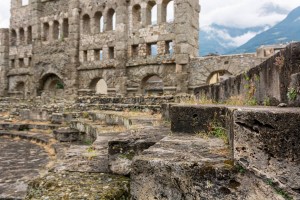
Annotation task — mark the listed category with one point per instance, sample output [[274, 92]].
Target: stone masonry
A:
[[61, 49]]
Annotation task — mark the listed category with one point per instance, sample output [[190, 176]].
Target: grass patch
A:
[[278, 190]]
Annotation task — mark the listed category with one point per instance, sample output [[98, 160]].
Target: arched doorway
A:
[[218, 76], [52, 85], [152, 85], [99, 86]]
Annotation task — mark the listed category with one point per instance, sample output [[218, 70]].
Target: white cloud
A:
[[226, 39], [245, 13], [4, 13]]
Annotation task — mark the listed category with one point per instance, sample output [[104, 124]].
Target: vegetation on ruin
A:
[[292, 94], [278, 190]]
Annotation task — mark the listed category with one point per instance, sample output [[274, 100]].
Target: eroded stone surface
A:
[[76, 185], [266, 142], [193, 168], [20, 162]]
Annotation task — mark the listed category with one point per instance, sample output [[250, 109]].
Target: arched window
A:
[[29, 35], [13, 37], [99, 22], [56, 30], [51, 85], [136, 15], [86, 24], [218, 76], [170, 12], [46, 29], [111, 20], [99, 86], [22, 36], [151, 13], [152, 85]]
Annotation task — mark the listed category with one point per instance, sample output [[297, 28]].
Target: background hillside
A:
[[223, 40]]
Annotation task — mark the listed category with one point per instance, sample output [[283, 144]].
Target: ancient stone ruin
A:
[[110, 100]]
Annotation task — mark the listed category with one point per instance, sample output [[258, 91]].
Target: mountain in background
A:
[[226, 40], [219, 39], [285, 31]]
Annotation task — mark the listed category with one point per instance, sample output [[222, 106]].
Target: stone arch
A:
[[99, 86], [152, 85], [99, 22], [218, 76], [22, 36], [168, 11], [51, 85], [13, 37], [86, 24], [151, 15], [110, 20], [136, 15]]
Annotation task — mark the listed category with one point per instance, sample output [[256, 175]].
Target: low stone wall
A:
[[263, 140], [271, 82]]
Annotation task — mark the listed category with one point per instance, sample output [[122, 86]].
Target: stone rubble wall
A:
[[269, 82]]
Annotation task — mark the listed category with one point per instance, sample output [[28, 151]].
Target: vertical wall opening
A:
[[85, 56], [86, 23], [29, 62], [152, 49], [169, 47], [151, 15], [56, 30], [111, 52], [135, 51], [46, 29], [98, 22], [136, 15], [111, 20], [65, 32], [13, 37], [168, 11], [98, 54], [21, 63], [12, 63], [29, 35], [22, 36]]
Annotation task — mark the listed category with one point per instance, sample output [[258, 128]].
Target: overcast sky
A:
[[235, 13]]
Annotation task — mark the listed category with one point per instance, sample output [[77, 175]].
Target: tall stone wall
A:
[[4, 50], [66, 48]]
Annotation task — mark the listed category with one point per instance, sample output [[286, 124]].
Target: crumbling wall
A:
[[268, 83], [203, 67]]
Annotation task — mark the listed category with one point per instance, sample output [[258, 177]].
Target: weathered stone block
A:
[[174, 169], [266, 142], [194, 119], [57, 118], [66, 135]]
